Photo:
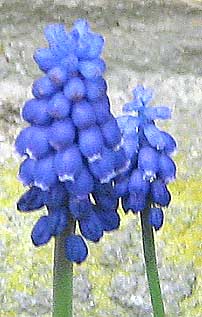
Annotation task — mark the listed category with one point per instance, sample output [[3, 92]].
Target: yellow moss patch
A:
[[181, 234]]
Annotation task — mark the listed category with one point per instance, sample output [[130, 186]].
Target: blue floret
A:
[[44, 173], [68, 164], [41, 232], [61, 134], [109, 219], [156, 218], [45, 59], [36, 112], [160, 193], [91, 142], [148, 159], [26, 172], [31, 200], [58, 75], [91, 228], [59, 106], [43, 88], [74, 89], [95, 88], [83, 184], [83, 115], [76, 249], [80, 208], [57, 220]]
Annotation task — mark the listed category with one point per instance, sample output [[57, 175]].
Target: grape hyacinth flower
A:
[[149, 150], [143, 187], [79, 160], [71, 144]]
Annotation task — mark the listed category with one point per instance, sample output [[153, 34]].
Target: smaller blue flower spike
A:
[[72, 148], [148, 149]]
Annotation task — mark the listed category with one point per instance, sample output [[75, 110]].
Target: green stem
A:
[[151, 265], [62, 277]]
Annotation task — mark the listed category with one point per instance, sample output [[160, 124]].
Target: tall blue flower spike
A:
[[149, 150], [72, 146]]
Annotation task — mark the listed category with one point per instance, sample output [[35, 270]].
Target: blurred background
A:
[[156, 43]]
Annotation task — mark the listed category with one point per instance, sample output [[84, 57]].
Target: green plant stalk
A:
[[62, 276], [151, 265]]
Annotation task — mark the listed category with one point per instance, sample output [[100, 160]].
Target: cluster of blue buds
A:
[[148, 148], [72, 146]]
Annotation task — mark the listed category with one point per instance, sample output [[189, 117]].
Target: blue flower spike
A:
[[73, 144], [149, 150]]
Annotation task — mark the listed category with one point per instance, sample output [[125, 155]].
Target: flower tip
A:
[[82, 26]]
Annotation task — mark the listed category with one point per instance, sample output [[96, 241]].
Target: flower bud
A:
[[96, 42], [170, 144], [137, 201], [70, 63], [95, 88], [59, 106], [80, 208], [33, 141], [111, 133], [156, 218], [61, 134], [41, 233], [153, 113], [43, 88], [101, 107], [109, 219], [91, 142], [56, 196], [91, 228], [58, 75], [154, 136], [36, 112], [68, 164], [58, 39], [137, 183], [121, 186], [130, 146], [44, 173], [45, 59], [103, 169], [167, 168], [26, 172], [31, 200], [106, 201], [57, 220], [160, 193], [74, 89], [83, 115], [92, 68], [75, 249], [121, 163], [148, 161], [82, 186]]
